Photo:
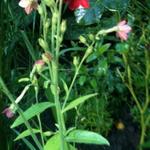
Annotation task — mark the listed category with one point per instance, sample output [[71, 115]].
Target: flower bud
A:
[[40, 10], [47, 24], [63, 26], [91, 37], [75, 61], [89, 50], [54, 18], [82, 39], [39, 65], [43, 44]]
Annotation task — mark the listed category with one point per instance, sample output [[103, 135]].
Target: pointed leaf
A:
[[54, 143], [78, 101], [87, 137], [34, 110], [26, 133]]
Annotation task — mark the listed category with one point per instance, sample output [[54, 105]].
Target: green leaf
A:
[[99, 51], [91, 15], [103, 48], [102, 67], [54, 143], [28, 143], [115, 5], [26, 133], [122, 48], [34, 110], [87, 137], [78, 101], [82, 80]]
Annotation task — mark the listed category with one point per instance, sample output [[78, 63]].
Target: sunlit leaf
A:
[[54, 143], [87, 137]]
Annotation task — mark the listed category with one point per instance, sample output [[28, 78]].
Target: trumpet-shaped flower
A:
[[28, 5], [75, 4], [123, 30]]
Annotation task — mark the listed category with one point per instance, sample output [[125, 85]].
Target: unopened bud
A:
[[40, 10], [47, 24], [63, 26], [39, 65], [82, 39], [43, 44], [75, 61], [91, 37], [54, 18], [89, 50]]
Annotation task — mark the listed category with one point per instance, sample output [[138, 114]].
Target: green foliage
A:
[[19, 34], [76, 102], [32, 111], [54, 143], [82, 136]]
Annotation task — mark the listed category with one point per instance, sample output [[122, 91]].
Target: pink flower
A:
[[39, 65], [28, 5], [8, 112], [123, 30], [39, 62]]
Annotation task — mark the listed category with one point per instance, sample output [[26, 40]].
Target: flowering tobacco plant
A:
[[28, 5], [75, 4], [51, 46]]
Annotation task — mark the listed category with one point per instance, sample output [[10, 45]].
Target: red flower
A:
[[75, 4]]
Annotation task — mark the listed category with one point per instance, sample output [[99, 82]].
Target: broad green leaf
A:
[[34, 110], [78, 101], [122, 48], [26, 133], [103, 48], [54, 143], [91, 15], [87, 137], [115, 5]]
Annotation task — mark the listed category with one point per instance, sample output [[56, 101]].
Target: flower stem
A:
[[57, 104]]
